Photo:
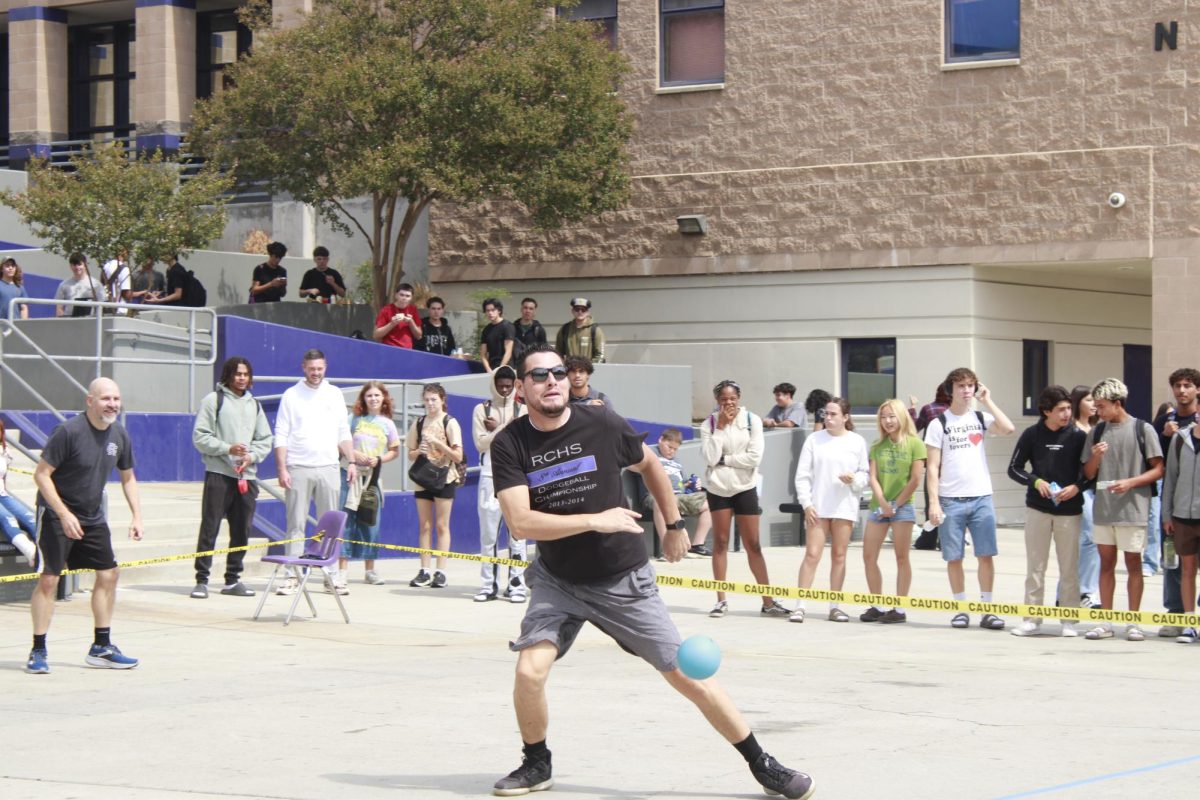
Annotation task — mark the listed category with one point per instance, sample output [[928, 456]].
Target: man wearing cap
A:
[[581, 336]]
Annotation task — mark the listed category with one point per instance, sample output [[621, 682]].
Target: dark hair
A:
[[277, 249], [940, 395], [1184, 374], [532, 351], [1051, 396], [492, 301], [844, 405], [77, 258], [786, 388], [18, 276], [360, 405], [816, 400], [573, 363], [320, 251], [435, 299], [525, 300], [1163, 408], [960, 375], [671, 435], [434, 388], [313, 355], [1077, 395], [229, 368], [726, 384], [403, 287]]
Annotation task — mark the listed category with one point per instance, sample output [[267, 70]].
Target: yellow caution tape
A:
[[1084, 615]]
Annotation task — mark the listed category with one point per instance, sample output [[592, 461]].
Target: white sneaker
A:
[[372, 577], [517, 595], [23, 543], [1068, 629], [288, 586], [1027, 628]]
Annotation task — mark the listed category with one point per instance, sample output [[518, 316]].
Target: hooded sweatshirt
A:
[[586, 340], [502, 409], [241, 421]]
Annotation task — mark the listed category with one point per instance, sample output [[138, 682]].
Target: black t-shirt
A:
[[83, 458], [263, 274], [177, 278], [315, 279], [439, 340], [1161, 423], [574, 470], [493, 337]]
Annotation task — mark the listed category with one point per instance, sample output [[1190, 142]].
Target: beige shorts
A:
[[1127, 538]]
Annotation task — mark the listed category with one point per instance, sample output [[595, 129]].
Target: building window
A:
[[692, 41], [101, 62], [868, 373], [982, 30], [220, 41], [1035, 373], [4, 98], [601, 11]]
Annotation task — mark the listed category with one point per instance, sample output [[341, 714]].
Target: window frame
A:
[[80, 80], [666, 86], [1032, 352], [612, 31], [844, 347], [204, 31], [997, 59]]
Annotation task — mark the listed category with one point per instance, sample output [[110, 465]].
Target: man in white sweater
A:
[[310, 430]]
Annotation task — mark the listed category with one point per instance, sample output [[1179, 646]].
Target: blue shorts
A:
[[976, 514], [905, 513]]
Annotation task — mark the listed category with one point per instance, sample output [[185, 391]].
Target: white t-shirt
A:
[[964, 469], [122, 283], [822, 459], [311, 423]]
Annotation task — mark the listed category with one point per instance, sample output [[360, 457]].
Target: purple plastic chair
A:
[[320, 552]]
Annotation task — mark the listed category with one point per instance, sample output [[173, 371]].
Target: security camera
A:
[[1116, 200]]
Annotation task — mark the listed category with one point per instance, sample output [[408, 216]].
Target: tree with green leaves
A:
[[406, 102], [107, 203]]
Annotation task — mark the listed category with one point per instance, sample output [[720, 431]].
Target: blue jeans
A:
[[1089, 559], [16, 517], [1152, 555], [976, 514]]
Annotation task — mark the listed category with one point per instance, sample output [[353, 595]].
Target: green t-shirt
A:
[[893, 464]]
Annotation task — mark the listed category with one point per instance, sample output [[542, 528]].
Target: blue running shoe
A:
[[109, 657], [37, 663]]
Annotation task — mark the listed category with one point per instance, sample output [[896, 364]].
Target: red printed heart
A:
[[976, 438]]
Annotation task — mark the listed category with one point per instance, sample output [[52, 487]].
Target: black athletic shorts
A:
[[744, 504], [444, 493], [55, 552]]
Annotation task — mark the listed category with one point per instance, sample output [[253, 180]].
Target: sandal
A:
[[1134, 634], [719, 609], [1099, 632], [991, 622], [837, 615], [797, 615], [960, 620]]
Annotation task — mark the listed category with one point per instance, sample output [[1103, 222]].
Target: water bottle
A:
[[1170, 557], [692, 482], [1054, 490]]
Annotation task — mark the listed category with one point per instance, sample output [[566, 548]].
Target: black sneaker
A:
[[423, 579], [439, 580], [872, 614], [778, 779], [699, 551], [893, 616], [532, 776]]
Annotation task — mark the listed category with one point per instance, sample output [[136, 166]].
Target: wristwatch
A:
[[678, 525]]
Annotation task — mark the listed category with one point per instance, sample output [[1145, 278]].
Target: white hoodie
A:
[[502, 409]]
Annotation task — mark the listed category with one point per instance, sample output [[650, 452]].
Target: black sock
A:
[[536, 751], [749, 749], [102, 637], [39, 641]]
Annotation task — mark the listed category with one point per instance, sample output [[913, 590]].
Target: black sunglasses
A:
[[539, 374]]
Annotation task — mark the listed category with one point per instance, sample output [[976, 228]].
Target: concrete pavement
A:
[[413, 700]]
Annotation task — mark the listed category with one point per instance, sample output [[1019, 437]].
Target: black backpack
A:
[[1139, 433], [194, 293], [942, 419]]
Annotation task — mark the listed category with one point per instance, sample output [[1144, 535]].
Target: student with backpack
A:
[[435, 446], [1124, 457], [960, 486], [1181, 516], [487, 420]]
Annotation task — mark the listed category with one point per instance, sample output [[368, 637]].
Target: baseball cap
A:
[[581, 301]]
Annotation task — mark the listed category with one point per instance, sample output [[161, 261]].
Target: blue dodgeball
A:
[[699, 657]]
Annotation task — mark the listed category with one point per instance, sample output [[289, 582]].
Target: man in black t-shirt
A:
[[322, 281], [498, 337], [557, 474], [268, 284], [72, 532], [1185, 383]]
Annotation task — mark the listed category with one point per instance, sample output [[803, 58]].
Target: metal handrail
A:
[[100, 359]]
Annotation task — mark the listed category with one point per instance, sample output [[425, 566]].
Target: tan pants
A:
[[1040, 530]]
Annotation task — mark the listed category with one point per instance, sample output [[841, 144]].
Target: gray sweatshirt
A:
[[241, 421]]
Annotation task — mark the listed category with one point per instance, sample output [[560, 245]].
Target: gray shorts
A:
[[628, 608]]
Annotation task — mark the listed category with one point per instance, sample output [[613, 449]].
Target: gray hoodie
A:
[[241, 421], [1181, 490]]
